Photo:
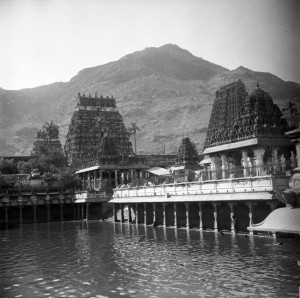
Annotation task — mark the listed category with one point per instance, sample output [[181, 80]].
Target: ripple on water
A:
[[100, 260]]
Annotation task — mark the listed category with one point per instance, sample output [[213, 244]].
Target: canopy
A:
[[158, 171]]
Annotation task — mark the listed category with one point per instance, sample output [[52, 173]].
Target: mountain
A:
[[168, 91]]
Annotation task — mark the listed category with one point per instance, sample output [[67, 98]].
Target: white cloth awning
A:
[[177, 168], [205, 161], [158, 171], [87, 169]]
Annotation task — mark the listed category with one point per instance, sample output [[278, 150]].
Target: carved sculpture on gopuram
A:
[[96, 118], [237, 116]]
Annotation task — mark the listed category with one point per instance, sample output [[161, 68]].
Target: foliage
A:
[[50, 178], [8, 166], [68, 179]]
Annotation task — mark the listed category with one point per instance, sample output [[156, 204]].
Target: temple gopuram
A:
[[94, 118], [246, 131], [47, 143]]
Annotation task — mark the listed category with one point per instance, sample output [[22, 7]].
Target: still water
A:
[[103, 259]]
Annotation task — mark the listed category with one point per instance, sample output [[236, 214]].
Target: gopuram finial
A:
[[257, 85]]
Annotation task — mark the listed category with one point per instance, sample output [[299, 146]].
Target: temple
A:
[[47, 143], [94, 118], [247, 158], [246, 135]]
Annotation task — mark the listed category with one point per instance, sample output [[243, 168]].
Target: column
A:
[[34, 213], [82, 211], [132, 175], [298, 152], [145, 213], [187, 211], [116, 178], [74, 211], [224, 166], [259, 160], [21, 214], [87, 211], [6, 214], [95, 175], [154, 212], [136, 213], [244, 162], [215, 216], [175, 215], [115, 213], [250, 206], [78, 211], [129, 214], [200, 216], [61, 212], [48, 212], [122, 212], [275, 159], [164, 215], [231, 204]]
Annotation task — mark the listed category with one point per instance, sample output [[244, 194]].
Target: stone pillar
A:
[[82, 211], [215, 216], [245, 162], [231, 204], [214, 167], [136, 213], [6, 214], [275, 158], [164, 215], [21, 214], [187, 213], [34, 213], [145, 213], [48, 212], [250, 206], [122, 212], [129, 214], [116, 178], [78, 211], [87, 211], [154, 212], [200, 216], [298, 153], [74, 211], [95, 175], [224, 166], [132, 175], [61, 212], [115, 213], [259, 160], [175, 215]]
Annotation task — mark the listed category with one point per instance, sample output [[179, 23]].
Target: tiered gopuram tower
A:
[[47, 143], [187, 153], [96, 120], [246, 131]]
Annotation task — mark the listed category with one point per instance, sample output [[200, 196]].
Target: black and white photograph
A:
[[149, 148]]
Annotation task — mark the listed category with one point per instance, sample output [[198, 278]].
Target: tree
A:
[[68, 179], [8, 166]]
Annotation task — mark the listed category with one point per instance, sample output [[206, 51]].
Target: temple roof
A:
[[96, 101]]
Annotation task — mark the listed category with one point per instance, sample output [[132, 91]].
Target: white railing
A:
[[245, 184]]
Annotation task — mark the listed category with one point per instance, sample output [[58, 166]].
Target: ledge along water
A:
[[106, 259]]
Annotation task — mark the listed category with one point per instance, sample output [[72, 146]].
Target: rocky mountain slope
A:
[[166, 90]]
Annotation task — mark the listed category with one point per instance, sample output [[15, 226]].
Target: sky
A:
[[46, 41]]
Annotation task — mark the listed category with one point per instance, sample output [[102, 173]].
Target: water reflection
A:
[[103, 259]]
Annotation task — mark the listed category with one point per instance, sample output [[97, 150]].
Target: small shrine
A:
[[186, 161]]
